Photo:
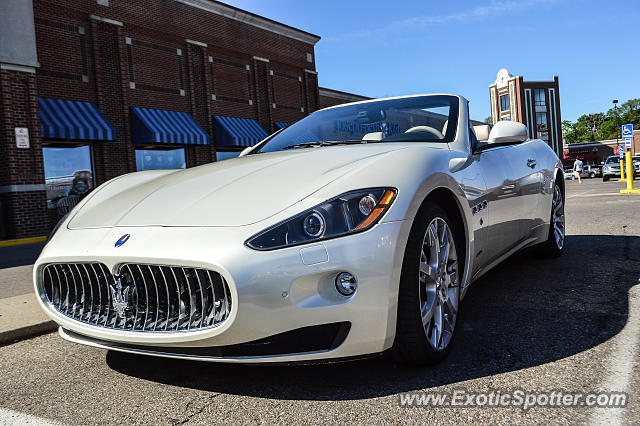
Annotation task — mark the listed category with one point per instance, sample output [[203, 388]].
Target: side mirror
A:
[[508, 132], [245, 151]]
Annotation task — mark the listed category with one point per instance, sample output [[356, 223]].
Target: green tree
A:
[[601, 126], [487, 120]]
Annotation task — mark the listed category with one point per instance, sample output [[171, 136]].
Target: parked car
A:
[[593, 170], [324, 241], [570, 175], [611, 168]]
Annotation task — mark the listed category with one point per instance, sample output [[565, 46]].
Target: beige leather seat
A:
[[482, 132]]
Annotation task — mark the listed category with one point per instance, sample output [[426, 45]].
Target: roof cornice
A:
[[252, 19]]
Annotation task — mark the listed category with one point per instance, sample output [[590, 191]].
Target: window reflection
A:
[[157, 159], [68, 176]]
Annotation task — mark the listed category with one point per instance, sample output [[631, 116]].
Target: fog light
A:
[[346, 283]]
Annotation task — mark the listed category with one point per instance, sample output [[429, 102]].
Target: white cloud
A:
[[495, 9]]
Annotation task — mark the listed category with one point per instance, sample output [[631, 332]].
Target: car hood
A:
[[234, 192]]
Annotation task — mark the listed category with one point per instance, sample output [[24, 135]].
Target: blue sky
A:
[[390, 48]]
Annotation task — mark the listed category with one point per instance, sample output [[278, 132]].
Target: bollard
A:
[[629, 189], [622, 178]]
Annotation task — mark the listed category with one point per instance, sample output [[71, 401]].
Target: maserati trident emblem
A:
[[122, 240], [119, 298]]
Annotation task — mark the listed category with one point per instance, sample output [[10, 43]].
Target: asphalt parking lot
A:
[[570, 324]]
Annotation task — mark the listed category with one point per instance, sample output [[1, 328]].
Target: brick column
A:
[[310, 91], [112, 158], [22, 191], [199, 100], [264, 100]]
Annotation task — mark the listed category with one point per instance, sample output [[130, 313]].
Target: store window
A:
[[160, 158], [504, 102], [541, 120], [540, 99], [68, 175]]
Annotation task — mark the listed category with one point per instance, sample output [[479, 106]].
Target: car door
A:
[[528, 176], [505, 207]]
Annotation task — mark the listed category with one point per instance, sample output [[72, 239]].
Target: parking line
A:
[[10, 417], [586, 194], [622, 363]]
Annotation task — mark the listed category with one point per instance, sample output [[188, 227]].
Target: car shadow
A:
[[524, 313]]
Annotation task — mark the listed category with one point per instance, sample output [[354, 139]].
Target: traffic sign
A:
[[627, 143], [621, 151], [627, 131]]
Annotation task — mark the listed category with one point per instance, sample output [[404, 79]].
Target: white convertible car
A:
[[355, 231]]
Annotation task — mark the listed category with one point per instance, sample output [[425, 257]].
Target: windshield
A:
[[430, 118], [613, 160]]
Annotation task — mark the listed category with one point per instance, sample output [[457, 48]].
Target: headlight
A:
[[351, 212]]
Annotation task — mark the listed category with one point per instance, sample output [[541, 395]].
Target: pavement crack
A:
[[196, 412]]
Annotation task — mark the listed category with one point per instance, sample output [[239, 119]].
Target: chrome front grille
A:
[[140, 298]]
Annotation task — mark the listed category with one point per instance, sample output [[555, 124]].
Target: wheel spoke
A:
[[436, 325], [426, 311], [427, 270]]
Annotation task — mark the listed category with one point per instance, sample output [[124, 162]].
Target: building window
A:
[[540, 99], [68, 176], [505, 118], [541, 121], [160, 158], [504, 102]]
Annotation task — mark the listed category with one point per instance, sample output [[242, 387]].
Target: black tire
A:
[[605, 178], [411, 345], [550, 248]]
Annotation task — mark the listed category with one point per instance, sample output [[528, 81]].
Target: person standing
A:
[[577, 168]]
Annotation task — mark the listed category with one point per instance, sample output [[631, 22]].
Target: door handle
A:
[[531, 163]]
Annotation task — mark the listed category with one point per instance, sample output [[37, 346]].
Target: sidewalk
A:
[[20, 313]]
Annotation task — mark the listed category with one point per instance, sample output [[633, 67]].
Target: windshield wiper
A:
[[328, 143]]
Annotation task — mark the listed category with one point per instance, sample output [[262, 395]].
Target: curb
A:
[[21, 241], [21, 317], [32, 330]]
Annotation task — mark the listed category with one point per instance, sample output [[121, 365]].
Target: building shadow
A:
[[525, 313]]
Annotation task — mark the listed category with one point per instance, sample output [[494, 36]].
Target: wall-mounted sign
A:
[[22, 137]]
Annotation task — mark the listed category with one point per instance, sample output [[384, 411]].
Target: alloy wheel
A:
[[557, 217], [439, 284]]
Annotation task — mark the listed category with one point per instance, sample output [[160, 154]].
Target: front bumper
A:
[[273, 292]]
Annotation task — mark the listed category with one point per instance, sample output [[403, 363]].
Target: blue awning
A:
[[62, 119], [230, 131], [163, 126], [277, 125]]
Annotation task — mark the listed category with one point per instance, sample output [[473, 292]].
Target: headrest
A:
[[373, 136], [482, 132]]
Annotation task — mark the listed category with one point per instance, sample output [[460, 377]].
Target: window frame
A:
[[538, 123], [508, 102], [542, 102]]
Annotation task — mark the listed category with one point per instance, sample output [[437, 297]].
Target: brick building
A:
[[533, 103], [597, 152], [107, 87], [330, 97]]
